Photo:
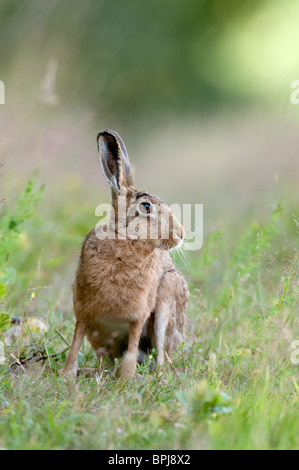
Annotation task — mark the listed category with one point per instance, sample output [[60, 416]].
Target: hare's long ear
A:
[[115, 161]]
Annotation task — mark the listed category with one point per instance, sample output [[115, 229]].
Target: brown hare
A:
[[128, 296]]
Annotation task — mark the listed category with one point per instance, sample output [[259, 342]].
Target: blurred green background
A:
[[199, 90]]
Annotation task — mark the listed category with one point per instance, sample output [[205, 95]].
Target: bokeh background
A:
[[199, 90]]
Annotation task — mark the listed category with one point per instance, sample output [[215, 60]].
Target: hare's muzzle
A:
[[176, 235], [178, 232]]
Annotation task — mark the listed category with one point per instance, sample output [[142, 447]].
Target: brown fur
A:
[[127, 293]]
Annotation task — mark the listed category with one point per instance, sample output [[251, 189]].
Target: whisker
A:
[[181, 253]]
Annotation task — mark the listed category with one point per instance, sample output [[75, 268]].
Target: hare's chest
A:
[[125, 292]]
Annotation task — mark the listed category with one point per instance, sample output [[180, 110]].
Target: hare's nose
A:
[[182, 233]]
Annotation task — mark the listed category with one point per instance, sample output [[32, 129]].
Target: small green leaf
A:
[[4, 320], [2, 290]]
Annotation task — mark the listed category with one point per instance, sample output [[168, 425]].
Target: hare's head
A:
[[136, 214]]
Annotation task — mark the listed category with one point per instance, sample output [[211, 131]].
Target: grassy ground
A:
[[231, 386]]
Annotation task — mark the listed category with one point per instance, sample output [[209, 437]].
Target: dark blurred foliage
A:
[[123, 57]]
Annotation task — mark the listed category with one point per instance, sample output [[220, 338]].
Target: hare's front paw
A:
[[128, 366], [68, 373]]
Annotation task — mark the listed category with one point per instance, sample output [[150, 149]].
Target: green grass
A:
[[231, 386]]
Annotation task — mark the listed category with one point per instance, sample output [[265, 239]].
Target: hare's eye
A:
[[146, 207]]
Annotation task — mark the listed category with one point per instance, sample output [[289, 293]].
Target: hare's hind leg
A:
[[71, 364], [162, 315], [170, 314]]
